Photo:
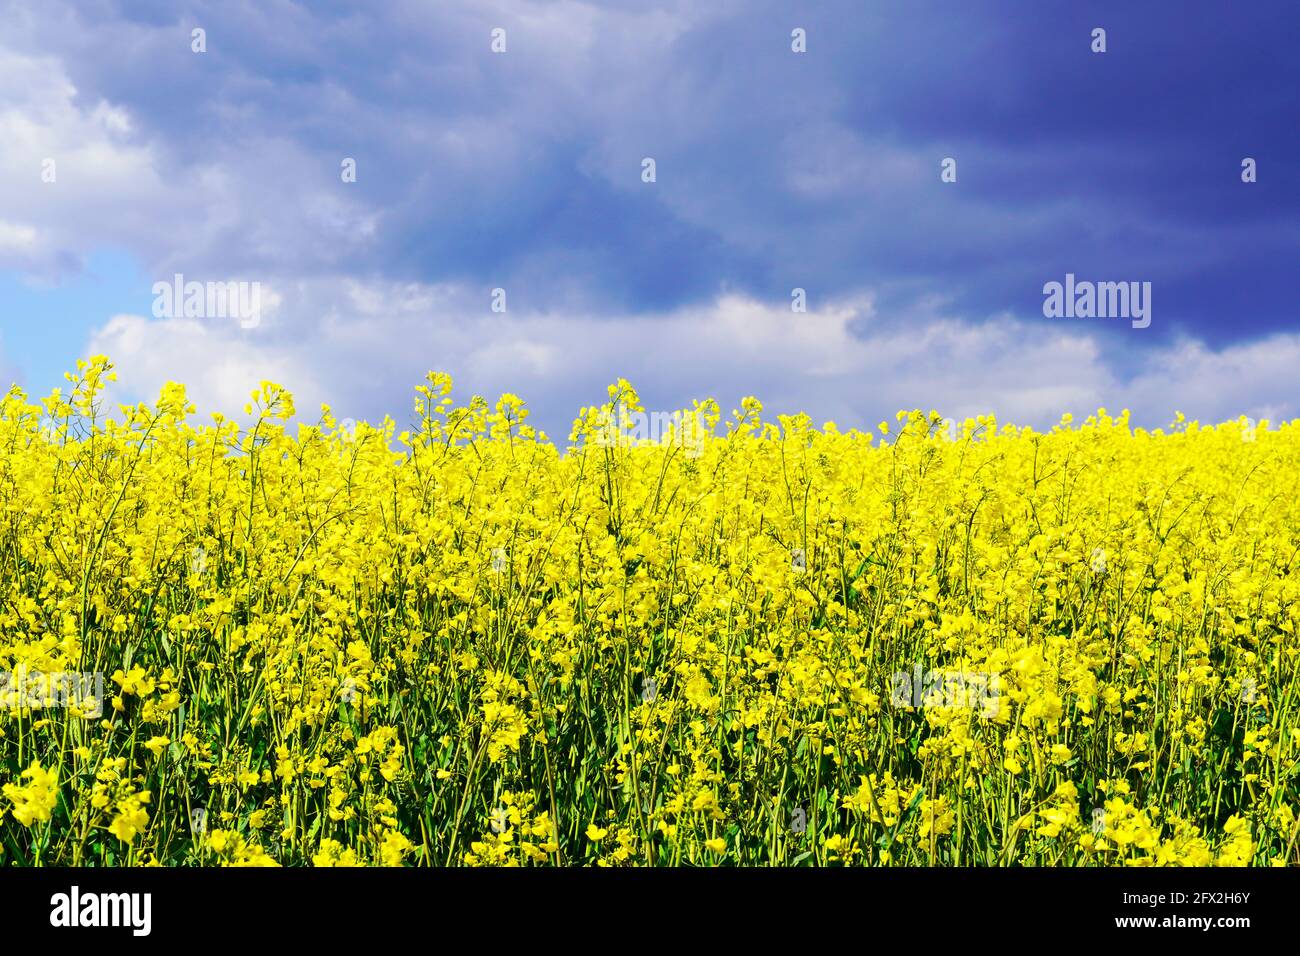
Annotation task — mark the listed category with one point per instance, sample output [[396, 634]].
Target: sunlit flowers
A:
[[446, 640]]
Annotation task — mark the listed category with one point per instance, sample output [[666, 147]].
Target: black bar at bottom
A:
[[340, 907]]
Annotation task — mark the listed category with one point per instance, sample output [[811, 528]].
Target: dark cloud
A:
[[775, 170]]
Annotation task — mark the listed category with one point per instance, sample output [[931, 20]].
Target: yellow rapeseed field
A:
[[743, 642]]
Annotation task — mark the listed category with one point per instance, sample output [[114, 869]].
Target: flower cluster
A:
[[459, 644]]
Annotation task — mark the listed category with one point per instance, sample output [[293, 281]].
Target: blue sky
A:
[[522, 171]]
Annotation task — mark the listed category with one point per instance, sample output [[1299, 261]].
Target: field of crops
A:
[[763, 643]]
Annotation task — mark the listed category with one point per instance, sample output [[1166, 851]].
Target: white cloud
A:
[[362, 347], [103, 183], [218, 369], [257, 205], [16, 238]]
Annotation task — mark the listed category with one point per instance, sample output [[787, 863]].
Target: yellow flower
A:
[[131, 817], [34, 801], [381, 645], [394, 848], [333, 853]]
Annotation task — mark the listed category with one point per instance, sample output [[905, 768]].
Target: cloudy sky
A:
[[524, 171]]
